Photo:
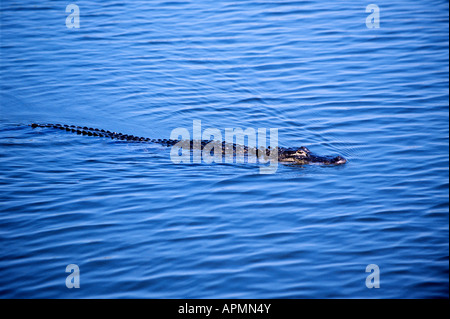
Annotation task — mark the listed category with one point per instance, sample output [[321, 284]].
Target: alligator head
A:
[[303, 155]]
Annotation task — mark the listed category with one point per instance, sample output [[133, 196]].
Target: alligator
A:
[[300, 155]]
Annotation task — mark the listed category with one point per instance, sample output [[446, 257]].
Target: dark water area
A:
[[140, 226]]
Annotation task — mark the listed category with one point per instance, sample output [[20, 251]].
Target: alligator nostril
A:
[[339, 160]]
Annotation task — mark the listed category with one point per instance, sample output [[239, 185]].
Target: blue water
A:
[[140, 226]]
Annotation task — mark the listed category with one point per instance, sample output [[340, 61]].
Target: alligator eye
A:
[[303, 148], [300, 153]]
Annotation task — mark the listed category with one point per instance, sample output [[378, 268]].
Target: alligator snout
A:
[[338, 160], [328, 160]]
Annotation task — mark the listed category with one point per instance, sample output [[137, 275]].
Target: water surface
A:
[[139, 226]]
